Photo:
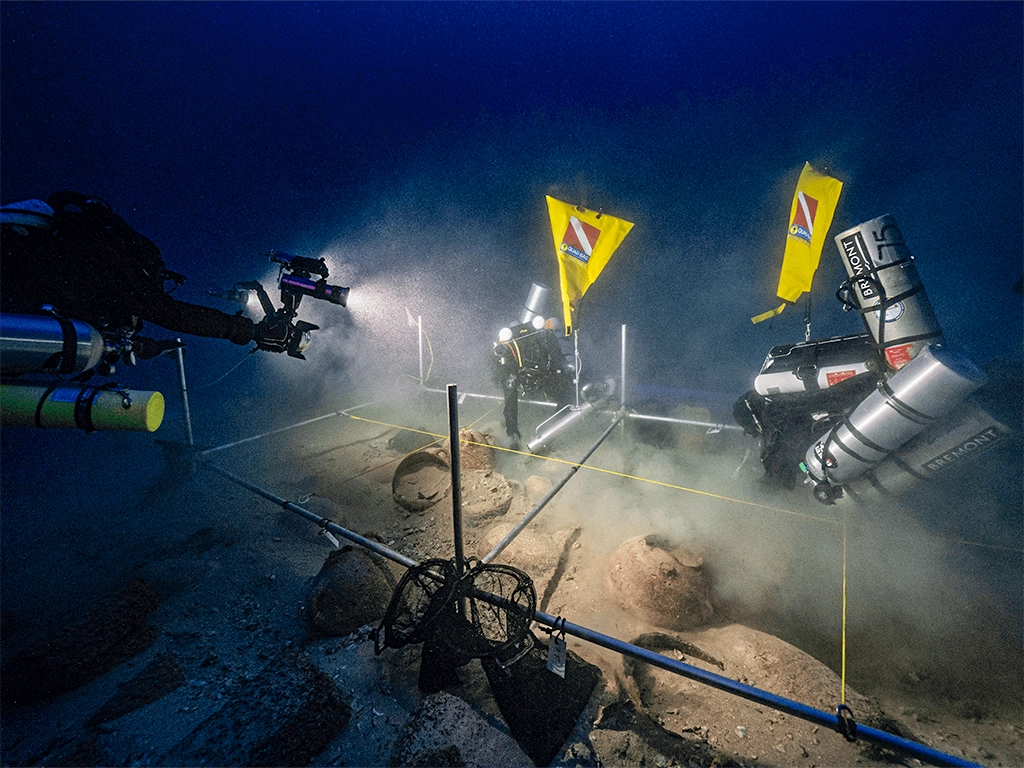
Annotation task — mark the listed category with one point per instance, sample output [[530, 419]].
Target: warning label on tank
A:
[[836, 376], [898, 356], [967, 449]]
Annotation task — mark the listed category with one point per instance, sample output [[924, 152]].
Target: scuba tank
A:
[[922, 391], [968, 431], [535, 301], [884, 287], [72, 405], [813, 365], [47, 344]]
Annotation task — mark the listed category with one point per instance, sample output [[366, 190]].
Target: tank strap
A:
[[83, 408], [42, 402], [888, 301], [834, 438], [65, 361], [864, 439], [907, 339], [904, 410], [69, 351]]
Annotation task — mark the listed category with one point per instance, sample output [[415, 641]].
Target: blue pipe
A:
[[795, 708]]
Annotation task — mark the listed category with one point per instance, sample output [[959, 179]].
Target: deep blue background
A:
[[419, 139]]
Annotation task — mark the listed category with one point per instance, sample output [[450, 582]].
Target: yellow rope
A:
[[661, 483], [438, 439], [613, 472], [673, 486]]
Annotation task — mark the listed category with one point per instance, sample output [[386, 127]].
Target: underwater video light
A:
[[297, 278], [318, 289]]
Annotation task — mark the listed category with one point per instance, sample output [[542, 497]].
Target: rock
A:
[[475, 451], [537, 488], [114, 631], [447, 731], [531, 551], [485, 496], [666, 588], [352, 589], [409, 440], [724, 727], [161, 676], [287, 715]]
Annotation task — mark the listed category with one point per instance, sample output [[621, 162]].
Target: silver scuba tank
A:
[[815, 365], [883, 281], [925, 389], [47, 343], [535, 301], [959, 438]]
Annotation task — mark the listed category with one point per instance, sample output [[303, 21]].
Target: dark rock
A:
[[287, 715], [352, 589], [446, 730], [160, 677], [112, 632]]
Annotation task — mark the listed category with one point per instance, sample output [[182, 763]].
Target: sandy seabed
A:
[[227, 575]]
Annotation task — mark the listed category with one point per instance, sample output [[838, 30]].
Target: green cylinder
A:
[[79, 407]]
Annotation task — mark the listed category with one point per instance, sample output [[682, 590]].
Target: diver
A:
[[531, 360], [786, 423], [74, 256]]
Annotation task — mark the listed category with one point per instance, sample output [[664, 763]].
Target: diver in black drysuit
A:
[[787, 423], [90, 265], [532, 360]]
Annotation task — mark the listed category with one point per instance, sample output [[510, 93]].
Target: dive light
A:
[[297, 278]]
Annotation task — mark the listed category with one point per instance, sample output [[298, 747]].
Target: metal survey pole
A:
[[748, 692], [622, 372], [453, 432], [551, 494], [323, 522], [757, 695], [419, 334], [180, 357]]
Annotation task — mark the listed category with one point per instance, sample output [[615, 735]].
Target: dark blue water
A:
[[425, 136]]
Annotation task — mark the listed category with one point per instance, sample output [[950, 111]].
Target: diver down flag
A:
[[810, 217], [584, 243]]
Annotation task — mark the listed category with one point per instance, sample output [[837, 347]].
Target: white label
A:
[[556, 656]]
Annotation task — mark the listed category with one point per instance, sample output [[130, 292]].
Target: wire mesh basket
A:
[[490, 613], [422, 595]]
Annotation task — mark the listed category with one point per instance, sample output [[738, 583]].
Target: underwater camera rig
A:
[[279, 331]]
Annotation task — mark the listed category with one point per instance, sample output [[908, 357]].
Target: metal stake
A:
[[180, 357], [622, 372], [419, 334], [551, 494], [453, 432]]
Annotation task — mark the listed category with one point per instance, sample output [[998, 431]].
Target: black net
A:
[[419, 599], [490, 613]]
